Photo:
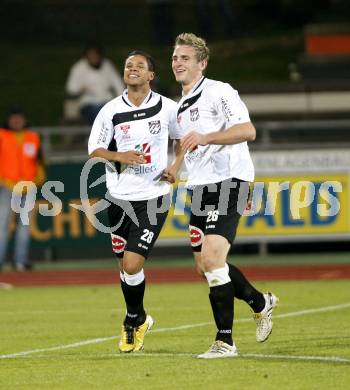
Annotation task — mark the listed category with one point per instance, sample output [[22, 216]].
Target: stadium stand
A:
[[327, 53]]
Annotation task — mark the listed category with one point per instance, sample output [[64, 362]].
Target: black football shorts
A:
[[216, 209], [135, 225]]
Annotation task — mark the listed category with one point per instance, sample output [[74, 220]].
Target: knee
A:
[[132, 263], [210, 259], [131, 268], [214, 252]]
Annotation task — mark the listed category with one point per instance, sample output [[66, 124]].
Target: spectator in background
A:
[[20, 160], [94, 81]]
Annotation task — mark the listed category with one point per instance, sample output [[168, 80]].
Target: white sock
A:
[[218, 276], [134, 280]]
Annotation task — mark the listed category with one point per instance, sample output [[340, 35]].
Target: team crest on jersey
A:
[[146, 149], [194, 114], [154, 127], [125, 128]]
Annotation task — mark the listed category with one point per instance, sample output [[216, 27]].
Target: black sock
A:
[[245, 291], [122, 285], [221, 299], [133, 296]]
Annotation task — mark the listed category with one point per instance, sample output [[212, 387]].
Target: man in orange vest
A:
[[20, 160]]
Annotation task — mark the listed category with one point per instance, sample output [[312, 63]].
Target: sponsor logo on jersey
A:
[[102, 135], [140, 169], [139, 115], [226, 109], [118, 243], [194, 114], [185, 105], [146, 149], [194, 155], [154, 127], [125, 128], [196, 236]]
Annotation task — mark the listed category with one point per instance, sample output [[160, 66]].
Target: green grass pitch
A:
[[308, 349]]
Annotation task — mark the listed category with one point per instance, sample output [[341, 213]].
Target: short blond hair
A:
[[198, 43]]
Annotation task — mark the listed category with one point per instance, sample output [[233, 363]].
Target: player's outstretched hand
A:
[[192, 140], [131, 157]]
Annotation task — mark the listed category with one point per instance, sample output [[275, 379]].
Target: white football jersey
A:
[[214, 106], [121, 126]]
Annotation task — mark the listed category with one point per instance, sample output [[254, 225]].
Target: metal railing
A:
[[69, 143]]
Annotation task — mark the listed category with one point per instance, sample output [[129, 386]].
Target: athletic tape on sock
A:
[[218, 276], [134, 280]]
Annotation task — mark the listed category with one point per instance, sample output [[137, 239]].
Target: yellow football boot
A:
[[140, 333], [127, 340]]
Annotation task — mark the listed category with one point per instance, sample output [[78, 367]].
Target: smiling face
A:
[[186, 67], [136, 71]]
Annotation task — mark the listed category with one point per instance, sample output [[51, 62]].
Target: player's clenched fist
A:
[[169, 176]]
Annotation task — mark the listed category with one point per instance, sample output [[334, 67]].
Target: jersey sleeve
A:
[[228, 104], [101, 132]]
